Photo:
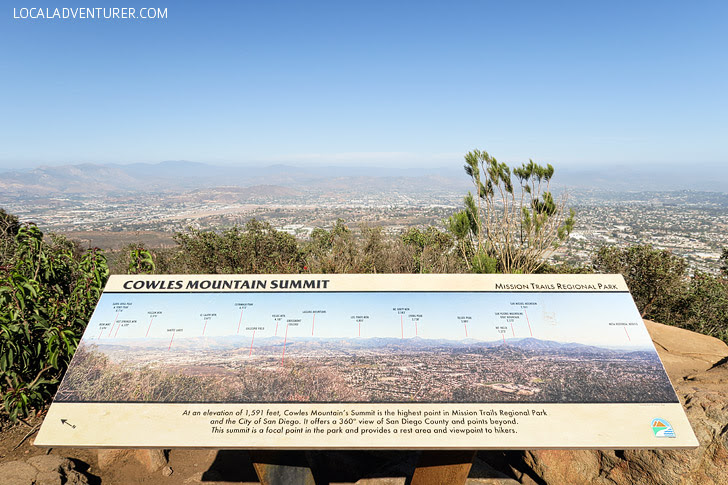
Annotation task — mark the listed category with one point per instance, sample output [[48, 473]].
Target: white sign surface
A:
[[366, 361]]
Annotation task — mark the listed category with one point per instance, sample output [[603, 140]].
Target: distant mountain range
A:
[[704, 177], [300, 344], [182, 176]]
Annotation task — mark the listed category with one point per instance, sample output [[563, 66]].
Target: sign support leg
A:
[[282, 467], [438, 467]]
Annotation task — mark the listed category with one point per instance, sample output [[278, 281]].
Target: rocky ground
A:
[[697, 365]]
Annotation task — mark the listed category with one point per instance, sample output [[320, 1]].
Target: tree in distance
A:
[[509, 227]]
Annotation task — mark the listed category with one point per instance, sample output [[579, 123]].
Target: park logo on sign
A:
[[662, 428]]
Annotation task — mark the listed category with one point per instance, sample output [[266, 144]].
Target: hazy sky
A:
[[556, 316], [367, 83]]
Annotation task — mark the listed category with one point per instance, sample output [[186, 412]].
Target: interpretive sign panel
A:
[[366, 361]]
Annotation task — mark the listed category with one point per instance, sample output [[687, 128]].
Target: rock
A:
[[152, 460], [698, 369], [195, 479], [108, 458], [42, 470], [684, 352], [48, 478], [167, 471], [76, 478], [51, 463], [17, 473]]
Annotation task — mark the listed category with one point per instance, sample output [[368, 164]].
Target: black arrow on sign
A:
[[65, 421]]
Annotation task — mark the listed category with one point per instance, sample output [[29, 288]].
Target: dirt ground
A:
[[191, 466]]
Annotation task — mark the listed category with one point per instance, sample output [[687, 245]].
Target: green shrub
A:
[[255, 248], [703, 306], [340, 250], [512, 220], [655, 277], [663, 291], [335, 251], [48, 290], [433, 251], [9, 227]]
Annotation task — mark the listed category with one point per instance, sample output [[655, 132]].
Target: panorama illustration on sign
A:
[[387, 347]]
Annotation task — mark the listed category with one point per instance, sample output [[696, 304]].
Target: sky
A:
[[367, 83], [553, 316]]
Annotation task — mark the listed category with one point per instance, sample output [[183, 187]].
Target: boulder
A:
[[17, 473], [41, 470], [684, 352], [698, 368], [152, 460]]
